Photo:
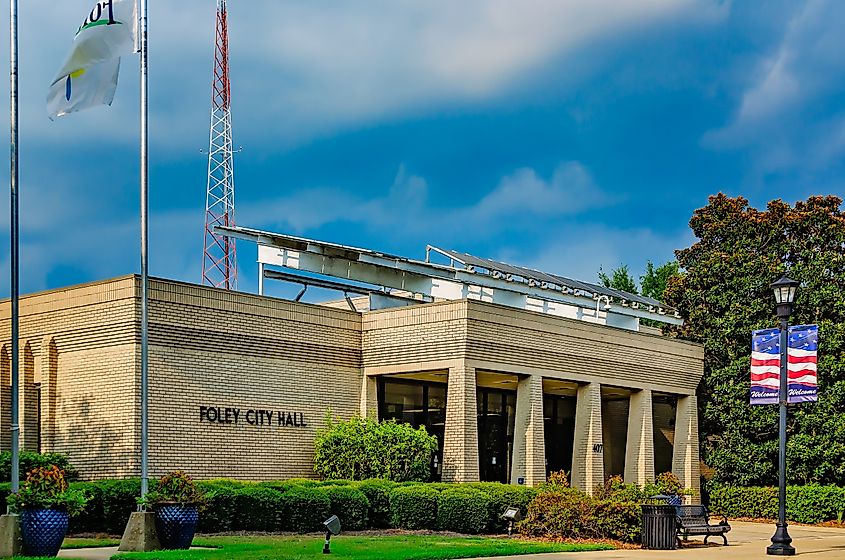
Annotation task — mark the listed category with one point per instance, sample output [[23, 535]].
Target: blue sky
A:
[[554, 134]]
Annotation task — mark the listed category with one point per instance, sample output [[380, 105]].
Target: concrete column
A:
[[369, 397], [460, 440], [529, 446], [639, 450], [685, 460], [588, 448]]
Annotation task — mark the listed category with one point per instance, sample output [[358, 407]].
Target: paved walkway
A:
[[748, 541]]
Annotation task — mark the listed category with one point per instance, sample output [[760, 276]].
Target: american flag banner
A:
[[765, 366], [801, 363], [802, 355]]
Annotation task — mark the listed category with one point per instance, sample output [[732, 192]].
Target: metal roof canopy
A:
[[483, 278]]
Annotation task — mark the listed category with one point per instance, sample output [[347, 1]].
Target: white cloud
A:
[[778, 117], [304, 69], [520, 199]]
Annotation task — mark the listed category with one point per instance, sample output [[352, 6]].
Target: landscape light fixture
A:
[[511, 514], [332, 525], [784, 290]]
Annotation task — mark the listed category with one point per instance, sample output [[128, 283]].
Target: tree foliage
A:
[[364, 448], [620, 279], [653, 283], [723, 294]]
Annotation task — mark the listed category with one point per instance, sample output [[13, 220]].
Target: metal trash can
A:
[[659, 527]]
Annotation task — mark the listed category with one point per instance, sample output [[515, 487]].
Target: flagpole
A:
[[144, 246], [14, 226]]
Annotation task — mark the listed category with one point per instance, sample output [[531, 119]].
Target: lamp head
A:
[[785, 290]]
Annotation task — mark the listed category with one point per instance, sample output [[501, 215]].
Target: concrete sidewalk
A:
[[747, 541]]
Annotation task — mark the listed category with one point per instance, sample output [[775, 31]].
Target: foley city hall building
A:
[[517, 372]]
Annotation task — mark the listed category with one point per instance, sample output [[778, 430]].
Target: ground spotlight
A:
[[332, 525], [511, 514]]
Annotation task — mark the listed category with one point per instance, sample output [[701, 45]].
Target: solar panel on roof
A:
[[542, 277]]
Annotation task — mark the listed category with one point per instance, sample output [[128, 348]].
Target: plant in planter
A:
[[45, 502], [176, 502]]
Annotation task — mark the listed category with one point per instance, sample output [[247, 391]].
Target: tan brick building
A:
[[239, 384], [516, 378]]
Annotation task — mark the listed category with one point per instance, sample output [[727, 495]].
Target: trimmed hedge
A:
[[350, 505], [413, 507], [812, 503], [305, 508], [500, 497], [378, 495], [462, 509]]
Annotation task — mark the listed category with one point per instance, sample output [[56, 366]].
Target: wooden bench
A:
[[694, 520]]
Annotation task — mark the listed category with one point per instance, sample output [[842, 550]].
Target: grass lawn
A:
[[76, 542], [404, 547]]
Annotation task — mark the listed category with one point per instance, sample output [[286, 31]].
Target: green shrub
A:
[[258, 509], [350, 505], [568, 513], [462, 509], [413, 507], [222, 507], [111, 504], [304, 508], [502, 496], [366, 448], [811, 503], [378, 495], [30, 460]]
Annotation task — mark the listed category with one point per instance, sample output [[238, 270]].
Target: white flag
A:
[[88, 76]]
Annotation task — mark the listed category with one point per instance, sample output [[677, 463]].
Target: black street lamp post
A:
[[784, 290]]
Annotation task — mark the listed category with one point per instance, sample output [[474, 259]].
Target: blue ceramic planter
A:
[[176, 525], [43, 531]]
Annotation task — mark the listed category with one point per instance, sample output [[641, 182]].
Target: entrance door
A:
[[496, 410], [559, 430]]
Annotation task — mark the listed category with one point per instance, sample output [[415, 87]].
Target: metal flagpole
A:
[[144, 245], [15, 265]]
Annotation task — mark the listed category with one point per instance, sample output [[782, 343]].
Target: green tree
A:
[[620, 279], [653, 283], [723, 294]]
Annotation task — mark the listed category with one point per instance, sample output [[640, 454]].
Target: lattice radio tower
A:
[[219, 267]]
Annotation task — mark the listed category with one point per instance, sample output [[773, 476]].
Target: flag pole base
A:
[[140, 533], [10, 535]]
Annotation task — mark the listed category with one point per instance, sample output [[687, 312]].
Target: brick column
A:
[[529, 446], [639, 450], [685, 461], [28, 401], [5, 399], [369, 397], [460, 440], [588, 448], [49, 374]]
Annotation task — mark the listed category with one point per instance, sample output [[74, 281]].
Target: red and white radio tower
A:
[[219, 267]]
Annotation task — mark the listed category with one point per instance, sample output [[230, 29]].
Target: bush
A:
[[350, 505], [304, 509], [413, 507], [378, 495], [222, 507], [29, 461], [365, 448], [811, 503], [568, 513], [258, 509], [500, 497], [462, 509]]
